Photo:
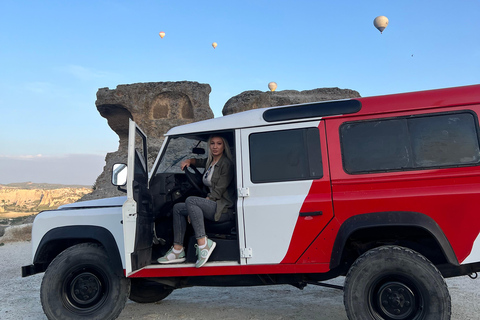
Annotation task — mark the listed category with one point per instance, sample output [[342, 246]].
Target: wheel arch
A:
[[401, 226], [58, 239]]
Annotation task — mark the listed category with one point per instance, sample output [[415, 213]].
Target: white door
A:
[[137, 227], [279, 165]]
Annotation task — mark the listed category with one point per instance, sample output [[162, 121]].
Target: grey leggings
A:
[[198, 209]]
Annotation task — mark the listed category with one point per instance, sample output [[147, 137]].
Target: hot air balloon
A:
[[161, 34], [272, 86], [214, 45], [380, 22]]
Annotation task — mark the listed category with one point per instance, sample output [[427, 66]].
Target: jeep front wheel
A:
[[82, 283], [392, 282]]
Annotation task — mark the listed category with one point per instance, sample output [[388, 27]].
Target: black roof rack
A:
[[312, 110]]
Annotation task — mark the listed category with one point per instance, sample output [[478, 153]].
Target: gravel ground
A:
[[20, 298]]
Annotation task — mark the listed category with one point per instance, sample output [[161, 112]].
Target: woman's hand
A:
[[185, 163]]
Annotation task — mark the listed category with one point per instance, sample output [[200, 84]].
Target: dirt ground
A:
[[20, 298]]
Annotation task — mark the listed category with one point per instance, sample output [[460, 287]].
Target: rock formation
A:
[[14, 199], [155, 107], [258, 99]]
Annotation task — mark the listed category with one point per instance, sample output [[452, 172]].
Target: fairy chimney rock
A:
[[155, 107]]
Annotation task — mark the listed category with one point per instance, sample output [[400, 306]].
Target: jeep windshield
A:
[[179, 149]]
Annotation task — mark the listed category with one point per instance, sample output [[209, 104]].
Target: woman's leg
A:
[[199, 208], [176, 254], [179, 224]]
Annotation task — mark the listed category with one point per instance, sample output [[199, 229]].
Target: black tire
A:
[[82, 283], [147, 291], [392, 282]]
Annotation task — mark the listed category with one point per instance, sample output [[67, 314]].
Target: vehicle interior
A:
[[170, 185]]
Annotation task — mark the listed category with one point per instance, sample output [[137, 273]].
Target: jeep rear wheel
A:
[[81, 283], [395, 283], [147, 291]]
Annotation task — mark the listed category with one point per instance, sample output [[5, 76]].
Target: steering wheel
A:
[[195, 178]]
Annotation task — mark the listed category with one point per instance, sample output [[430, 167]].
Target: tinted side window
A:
[[285, 155], [441, 140], [375, 145], [444, 140]]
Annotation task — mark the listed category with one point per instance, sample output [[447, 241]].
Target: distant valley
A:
[[27, 197]]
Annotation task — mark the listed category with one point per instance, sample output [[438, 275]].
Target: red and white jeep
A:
[[383, 190]]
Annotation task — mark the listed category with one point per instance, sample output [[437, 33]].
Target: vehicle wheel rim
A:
[[85, 291], [396, 300]]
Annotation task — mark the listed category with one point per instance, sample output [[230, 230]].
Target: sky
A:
[[55, 55]]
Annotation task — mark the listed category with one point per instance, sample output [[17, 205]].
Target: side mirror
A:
[[119, 174]]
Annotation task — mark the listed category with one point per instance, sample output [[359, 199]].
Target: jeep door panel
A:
[[137, 218], [283, 211]]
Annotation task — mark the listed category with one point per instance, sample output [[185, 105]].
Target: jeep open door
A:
[[137, 220]]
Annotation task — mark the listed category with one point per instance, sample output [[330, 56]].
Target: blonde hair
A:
[[226, 149]]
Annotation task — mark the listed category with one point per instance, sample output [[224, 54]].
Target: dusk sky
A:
[[55, 55]]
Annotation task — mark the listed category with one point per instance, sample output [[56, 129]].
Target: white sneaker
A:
[[172, 257], [204, 254]]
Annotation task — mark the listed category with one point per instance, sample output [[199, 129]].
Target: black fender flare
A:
[[390, 219], [64, 237]]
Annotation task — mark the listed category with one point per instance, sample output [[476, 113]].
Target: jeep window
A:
[[285, 155], [177, 150], [442, 140]]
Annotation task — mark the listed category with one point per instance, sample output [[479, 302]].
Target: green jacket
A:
[[222, 190]]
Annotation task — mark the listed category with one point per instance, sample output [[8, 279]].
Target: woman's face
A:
[[216, 146]]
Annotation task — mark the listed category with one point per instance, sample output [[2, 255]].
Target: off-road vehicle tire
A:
[[392, 282], [147, 291], [82, 283]]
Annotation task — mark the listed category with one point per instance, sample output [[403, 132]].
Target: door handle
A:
[[310, 214]]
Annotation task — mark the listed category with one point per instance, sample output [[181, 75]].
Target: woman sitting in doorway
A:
[[217, 206]]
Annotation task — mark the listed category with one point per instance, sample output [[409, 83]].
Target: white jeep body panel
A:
[[474, 256], [105, 213]]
